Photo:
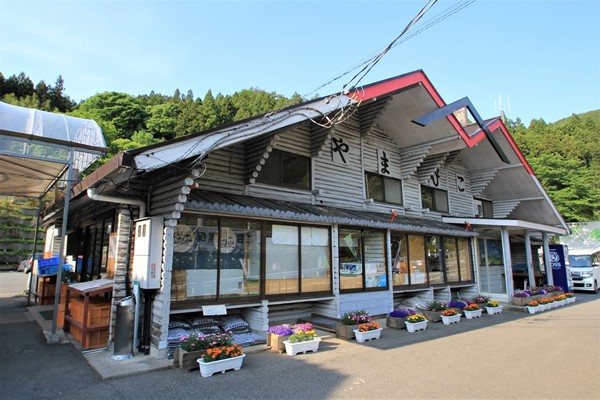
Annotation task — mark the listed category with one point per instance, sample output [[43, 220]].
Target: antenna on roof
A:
[[499, 109]]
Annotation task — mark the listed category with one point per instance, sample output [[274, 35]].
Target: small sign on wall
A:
[[339, 150], [218, 309], [460, 183], [383, 162]]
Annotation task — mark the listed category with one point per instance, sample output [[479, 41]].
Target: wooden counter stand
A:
[[91, 335]]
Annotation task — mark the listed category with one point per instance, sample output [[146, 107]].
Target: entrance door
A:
[[492, 277]]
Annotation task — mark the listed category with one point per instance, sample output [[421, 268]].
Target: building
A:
[[336, 204]]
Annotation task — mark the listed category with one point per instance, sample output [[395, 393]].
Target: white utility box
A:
[[147, 252]]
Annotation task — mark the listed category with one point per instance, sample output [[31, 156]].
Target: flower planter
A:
[[362, 337], [473, 314], [275, 342], [452, 319], [209, 368], [187, 359], [534, 310], [493, 310], [432, 316], [418, 326], [301, 347], [395, 322], [345, 332], [522, 301]]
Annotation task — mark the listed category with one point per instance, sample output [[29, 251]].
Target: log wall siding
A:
[[377, 139], [224, 171], [460, 203], [341, 185], [124, 243]]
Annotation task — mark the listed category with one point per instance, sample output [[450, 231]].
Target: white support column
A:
[[389, 266], [529, 259], [507, 263], [547, 263]]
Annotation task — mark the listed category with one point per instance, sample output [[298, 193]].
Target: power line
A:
[[397, 41]]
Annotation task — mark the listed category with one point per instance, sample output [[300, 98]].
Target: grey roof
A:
[[240, 205]]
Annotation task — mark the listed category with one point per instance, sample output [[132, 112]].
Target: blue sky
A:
[[540, 56]]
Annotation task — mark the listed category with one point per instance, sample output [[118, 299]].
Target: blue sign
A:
[[560, 267]]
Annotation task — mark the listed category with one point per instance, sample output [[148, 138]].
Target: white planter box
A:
[[419, 326], [452, 319], [368, 335], [473, 314], [534, 310], [209, 368], [301, 347], [493, 310]]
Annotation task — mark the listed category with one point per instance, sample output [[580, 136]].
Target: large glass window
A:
[[216, 258], [491, 266], [281, 266], [315, 256], [434, 199], [362, 259], [464, 260], [416, 251], [400, 274], [418, 260], [451, 259], [435, 267], [384, 189], [286, 169]]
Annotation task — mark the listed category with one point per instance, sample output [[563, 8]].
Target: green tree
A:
[[123, 111]]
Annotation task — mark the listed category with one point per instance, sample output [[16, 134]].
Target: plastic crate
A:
[[46, 262], [48, 269]]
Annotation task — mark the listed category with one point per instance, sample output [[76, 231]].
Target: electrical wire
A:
[[399, 40]]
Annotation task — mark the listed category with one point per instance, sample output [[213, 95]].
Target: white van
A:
[[585, 269]]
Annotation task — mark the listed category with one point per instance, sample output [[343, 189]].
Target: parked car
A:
[[27, 264], [585, 269]]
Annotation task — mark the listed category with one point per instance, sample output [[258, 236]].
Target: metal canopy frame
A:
[[39, 149]]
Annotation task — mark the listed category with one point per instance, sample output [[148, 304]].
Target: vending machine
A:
[[561, 270]]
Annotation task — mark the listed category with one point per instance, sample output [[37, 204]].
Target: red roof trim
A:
[[388, 86], [498, 124]]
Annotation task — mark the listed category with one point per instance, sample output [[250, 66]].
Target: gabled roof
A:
[[390, 105]]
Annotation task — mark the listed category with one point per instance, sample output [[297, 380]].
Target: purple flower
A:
[[281, 330], [402, 313], [457, 303], [305, 327], [558, 288], [542, 291], [521, 294]]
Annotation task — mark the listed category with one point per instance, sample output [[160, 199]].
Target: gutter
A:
[[120, 200]]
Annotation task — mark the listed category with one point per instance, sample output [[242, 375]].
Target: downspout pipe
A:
[[119, 200]]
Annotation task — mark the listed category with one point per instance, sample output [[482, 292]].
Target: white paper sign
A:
[[219, 309]]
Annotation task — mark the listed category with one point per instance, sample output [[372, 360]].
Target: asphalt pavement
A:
[[513, 355]]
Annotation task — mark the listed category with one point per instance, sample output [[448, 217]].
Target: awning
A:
[[238, 205]]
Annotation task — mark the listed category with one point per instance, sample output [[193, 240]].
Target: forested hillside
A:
[[565, 155]]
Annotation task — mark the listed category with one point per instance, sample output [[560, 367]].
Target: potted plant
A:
[[277, 335], [349, 322], [302, 340], [192, 346], [450, 316], [221, 359], [396, 318], [458, 305], [433, 309], [521, 298], [570, 297], [368, 331], [493, 307], [472, 311], [480, 300], [416, 322], [533, 307]]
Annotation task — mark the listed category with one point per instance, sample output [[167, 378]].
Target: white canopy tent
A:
[[39, 149]]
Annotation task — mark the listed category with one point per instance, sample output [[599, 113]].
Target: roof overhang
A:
[[37, 147], [511, 224]]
